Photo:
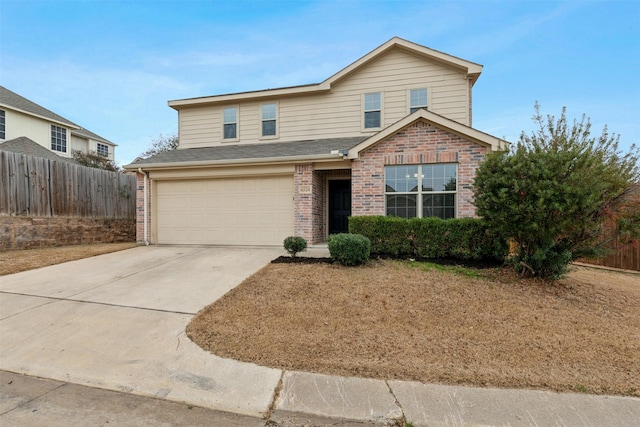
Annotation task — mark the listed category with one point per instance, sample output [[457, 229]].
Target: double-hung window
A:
[[230, 123], [3, 123], [421, 190], [103, 149], [417, 100], [58, 138], [269, 117], [372, 110]]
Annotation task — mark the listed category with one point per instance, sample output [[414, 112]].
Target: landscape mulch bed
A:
[[434, 324]]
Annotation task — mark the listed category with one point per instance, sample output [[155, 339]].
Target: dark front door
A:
[[339, 205]]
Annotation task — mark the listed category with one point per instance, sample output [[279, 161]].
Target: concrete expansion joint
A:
[[402, 421], [272, 407], [36, 397]]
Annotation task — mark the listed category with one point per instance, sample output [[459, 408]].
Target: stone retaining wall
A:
[[18, 232]]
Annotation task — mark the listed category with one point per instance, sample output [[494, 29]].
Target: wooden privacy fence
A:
[[32, 186]]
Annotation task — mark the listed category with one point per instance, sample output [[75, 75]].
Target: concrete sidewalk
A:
[[117, 322]]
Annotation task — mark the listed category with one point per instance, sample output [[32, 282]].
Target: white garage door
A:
[[230, 211]]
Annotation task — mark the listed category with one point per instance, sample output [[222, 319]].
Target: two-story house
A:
[[29, 128], [389, 134]]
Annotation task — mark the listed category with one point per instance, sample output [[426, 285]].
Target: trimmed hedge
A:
[[349, 249], [462, 238]]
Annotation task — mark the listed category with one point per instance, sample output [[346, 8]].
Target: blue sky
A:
[[111, 66]]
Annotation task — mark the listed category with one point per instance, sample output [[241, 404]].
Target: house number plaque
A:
[[304, 189]]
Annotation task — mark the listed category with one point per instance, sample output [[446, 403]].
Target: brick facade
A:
[[419, 143], [140, 238], [311, 201]]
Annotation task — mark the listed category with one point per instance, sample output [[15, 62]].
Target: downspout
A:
[[144, 209]]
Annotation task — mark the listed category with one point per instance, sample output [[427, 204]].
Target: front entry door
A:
[[339, 205]]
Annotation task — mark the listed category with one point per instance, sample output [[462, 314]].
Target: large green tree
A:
[[553, 191]]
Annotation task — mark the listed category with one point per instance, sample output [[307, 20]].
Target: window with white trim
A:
[[58, 138], [102, 149], [417, 100], [421, 190], [230, 123], [269, 118], [372, 110], [3, 122]]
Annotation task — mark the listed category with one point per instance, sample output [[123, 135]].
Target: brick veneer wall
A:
[[420, 143], [20, 232], [311, 207], [140, 207]]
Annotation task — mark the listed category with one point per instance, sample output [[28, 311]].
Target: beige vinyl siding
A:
[[339, 112]]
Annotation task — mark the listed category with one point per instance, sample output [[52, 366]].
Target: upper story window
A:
[[58, 138], [269, 118], [230, 123], [417, 100], [421, 190], [2, 125], [103, 150], [372, 110]]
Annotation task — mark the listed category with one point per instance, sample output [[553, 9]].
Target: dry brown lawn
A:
[[413, 321], [29, 259]]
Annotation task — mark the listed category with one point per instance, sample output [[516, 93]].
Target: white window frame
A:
[[58, 138], [419, 193], [366, 109], [410, 104], [102, 149], [236, 123], [263, 120]]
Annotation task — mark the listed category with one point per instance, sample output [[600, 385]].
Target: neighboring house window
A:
[[230, 123], [2, 125], [58, 138], [421, 190], [417, 100], [372, 110], [103, 150], [268, 119]]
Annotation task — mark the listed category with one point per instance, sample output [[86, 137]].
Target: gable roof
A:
[[471, 69], [24, 145], [319, 149], [85, 133], [19, 103], [496, 144]]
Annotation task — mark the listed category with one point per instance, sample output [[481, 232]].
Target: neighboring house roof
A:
[[85, 133], [472, 70], [19, 103], [24, 145], [496, 144], [334, 148]]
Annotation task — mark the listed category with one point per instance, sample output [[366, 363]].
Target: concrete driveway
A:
[[117, 321]]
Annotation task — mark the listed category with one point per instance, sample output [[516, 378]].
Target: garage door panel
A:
[[234, 211]]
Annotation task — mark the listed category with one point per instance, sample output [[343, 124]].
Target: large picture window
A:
[[421, 190], [58, 138]]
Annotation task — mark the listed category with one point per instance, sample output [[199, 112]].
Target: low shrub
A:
[[349, 249], [294, 244], [463, 238]]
